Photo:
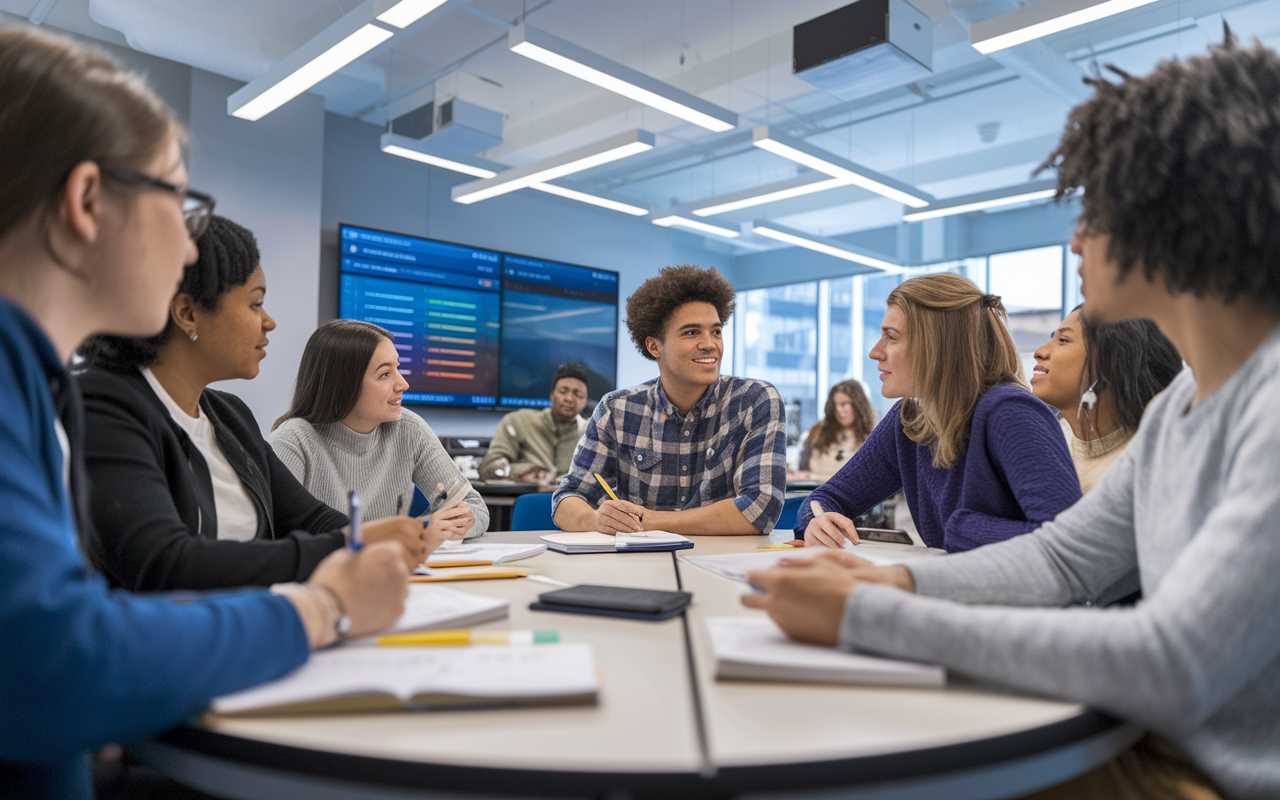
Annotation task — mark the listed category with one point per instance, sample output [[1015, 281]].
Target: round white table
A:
[[663, 726]]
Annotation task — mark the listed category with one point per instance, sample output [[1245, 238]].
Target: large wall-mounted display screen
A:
[[480, 328]]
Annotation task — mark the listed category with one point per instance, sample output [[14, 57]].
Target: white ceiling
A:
[[735, 53]]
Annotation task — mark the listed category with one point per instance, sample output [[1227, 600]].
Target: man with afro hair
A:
[[692, 451], [1180, 225]]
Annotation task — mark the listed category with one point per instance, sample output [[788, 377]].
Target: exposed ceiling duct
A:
[[1035, 61]]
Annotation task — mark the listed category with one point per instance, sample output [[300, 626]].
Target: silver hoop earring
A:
[[195, 336]]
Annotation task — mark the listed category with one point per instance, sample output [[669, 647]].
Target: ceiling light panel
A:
[[593, 199], [588, 66], [783, 190], [329, 51], [816, 158], [695, 225], [1035, 190], [1035, 21], [593, 155], [821, 244], [406, 12], [405, 147]]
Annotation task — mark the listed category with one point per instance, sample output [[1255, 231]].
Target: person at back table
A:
[[979, 458], [185, 492], [537, 446], [848, 420], [96, 222], [690, 451], [346, 429], [1100, 378]]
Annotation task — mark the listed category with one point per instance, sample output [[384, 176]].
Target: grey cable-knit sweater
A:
[[383, 466], [1194, 504]]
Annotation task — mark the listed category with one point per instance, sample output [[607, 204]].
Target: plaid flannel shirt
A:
[[731, 444]]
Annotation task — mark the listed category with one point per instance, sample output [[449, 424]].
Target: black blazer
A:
[[152, 503]]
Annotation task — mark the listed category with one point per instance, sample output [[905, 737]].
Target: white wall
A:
[[266, 175]]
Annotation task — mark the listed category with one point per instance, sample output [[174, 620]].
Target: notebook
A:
[[460, 554], [593, 542], [754, 648], [407, 678], [735, 566], [438, 608]]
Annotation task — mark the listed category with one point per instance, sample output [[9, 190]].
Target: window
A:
[[1030, 282], [779, 344]]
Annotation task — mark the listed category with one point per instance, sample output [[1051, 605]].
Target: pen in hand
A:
[[354, 540]]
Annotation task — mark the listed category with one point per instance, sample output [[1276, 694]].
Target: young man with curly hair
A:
[[1180, 225], [690, 451]]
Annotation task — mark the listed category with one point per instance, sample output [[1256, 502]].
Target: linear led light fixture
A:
[[406, 12], [1035, 190], [795, 187], [548, 169], [837, 167], [1033, 22], [582, 63], [822, 244], [693, 224], [329, 51], [398, 145]]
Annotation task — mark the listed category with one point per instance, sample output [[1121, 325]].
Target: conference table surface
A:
[[663, 725]]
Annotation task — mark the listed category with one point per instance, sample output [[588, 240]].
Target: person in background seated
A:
[[96, 222], [1100, 379], [346, 429], [185, 493], [537, 446], [847, 422], [978, 457], [691, 451], [1180, 225]]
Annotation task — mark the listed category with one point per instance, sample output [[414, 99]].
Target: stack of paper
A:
[[593, 542], [752, 648], [459, 554], [383, 678], [735, 566]]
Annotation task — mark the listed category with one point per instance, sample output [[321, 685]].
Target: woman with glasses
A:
[[210, 504], [85, 248]]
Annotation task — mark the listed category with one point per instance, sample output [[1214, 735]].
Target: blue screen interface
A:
[[480, 328]]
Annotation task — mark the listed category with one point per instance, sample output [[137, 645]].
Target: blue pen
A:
[[354, 541]]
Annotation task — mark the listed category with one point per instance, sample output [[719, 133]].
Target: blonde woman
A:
[[978, 457]]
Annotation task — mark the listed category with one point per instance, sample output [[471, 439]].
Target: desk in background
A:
[[663, 727]]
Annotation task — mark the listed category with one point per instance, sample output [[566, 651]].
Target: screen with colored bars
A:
[[480, 328]]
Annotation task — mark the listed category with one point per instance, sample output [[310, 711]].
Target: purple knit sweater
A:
[[1015, 474]]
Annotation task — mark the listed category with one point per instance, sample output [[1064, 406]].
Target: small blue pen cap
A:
[[354, 540]]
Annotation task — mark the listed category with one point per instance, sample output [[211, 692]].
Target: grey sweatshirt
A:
[[383, 466], [1194, 504]]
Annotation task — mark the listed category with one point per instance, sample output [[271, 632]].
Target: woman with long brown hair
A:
[[978, 457], [847, 421]]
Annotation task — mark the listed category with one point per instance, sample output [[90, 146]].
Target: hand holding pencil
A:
[[616, 516]]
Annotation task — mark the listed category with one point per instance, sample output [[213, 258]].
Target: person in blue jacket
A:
[[96, 223]]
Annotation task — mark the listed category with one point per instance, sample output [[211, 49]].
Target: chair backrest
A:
[[532, 512], [790, 512], [420, 503]]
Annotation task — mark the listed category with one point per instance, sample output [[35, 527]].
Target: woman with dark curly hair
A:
[[691, 451], [1181, 225], [846, 423]]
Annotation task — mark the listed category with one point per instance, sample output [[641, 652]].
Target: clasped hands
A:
[[806, 596]]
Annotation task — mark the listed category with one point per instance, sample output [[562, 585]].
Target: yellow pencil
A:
[[459, 638], [607, 490]]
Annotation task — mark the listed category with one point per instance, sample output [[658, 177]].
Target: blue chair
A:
[[420, 503], [532, 512], [790, 512]]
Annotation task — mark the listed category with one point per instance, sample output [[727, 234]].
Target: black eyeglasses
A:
[[197, 207]]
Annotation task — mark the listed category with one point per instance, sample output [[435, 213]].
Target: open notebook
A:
[[593, 542], [471, 554], [394, 678], [754, 648], [437, 608]]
